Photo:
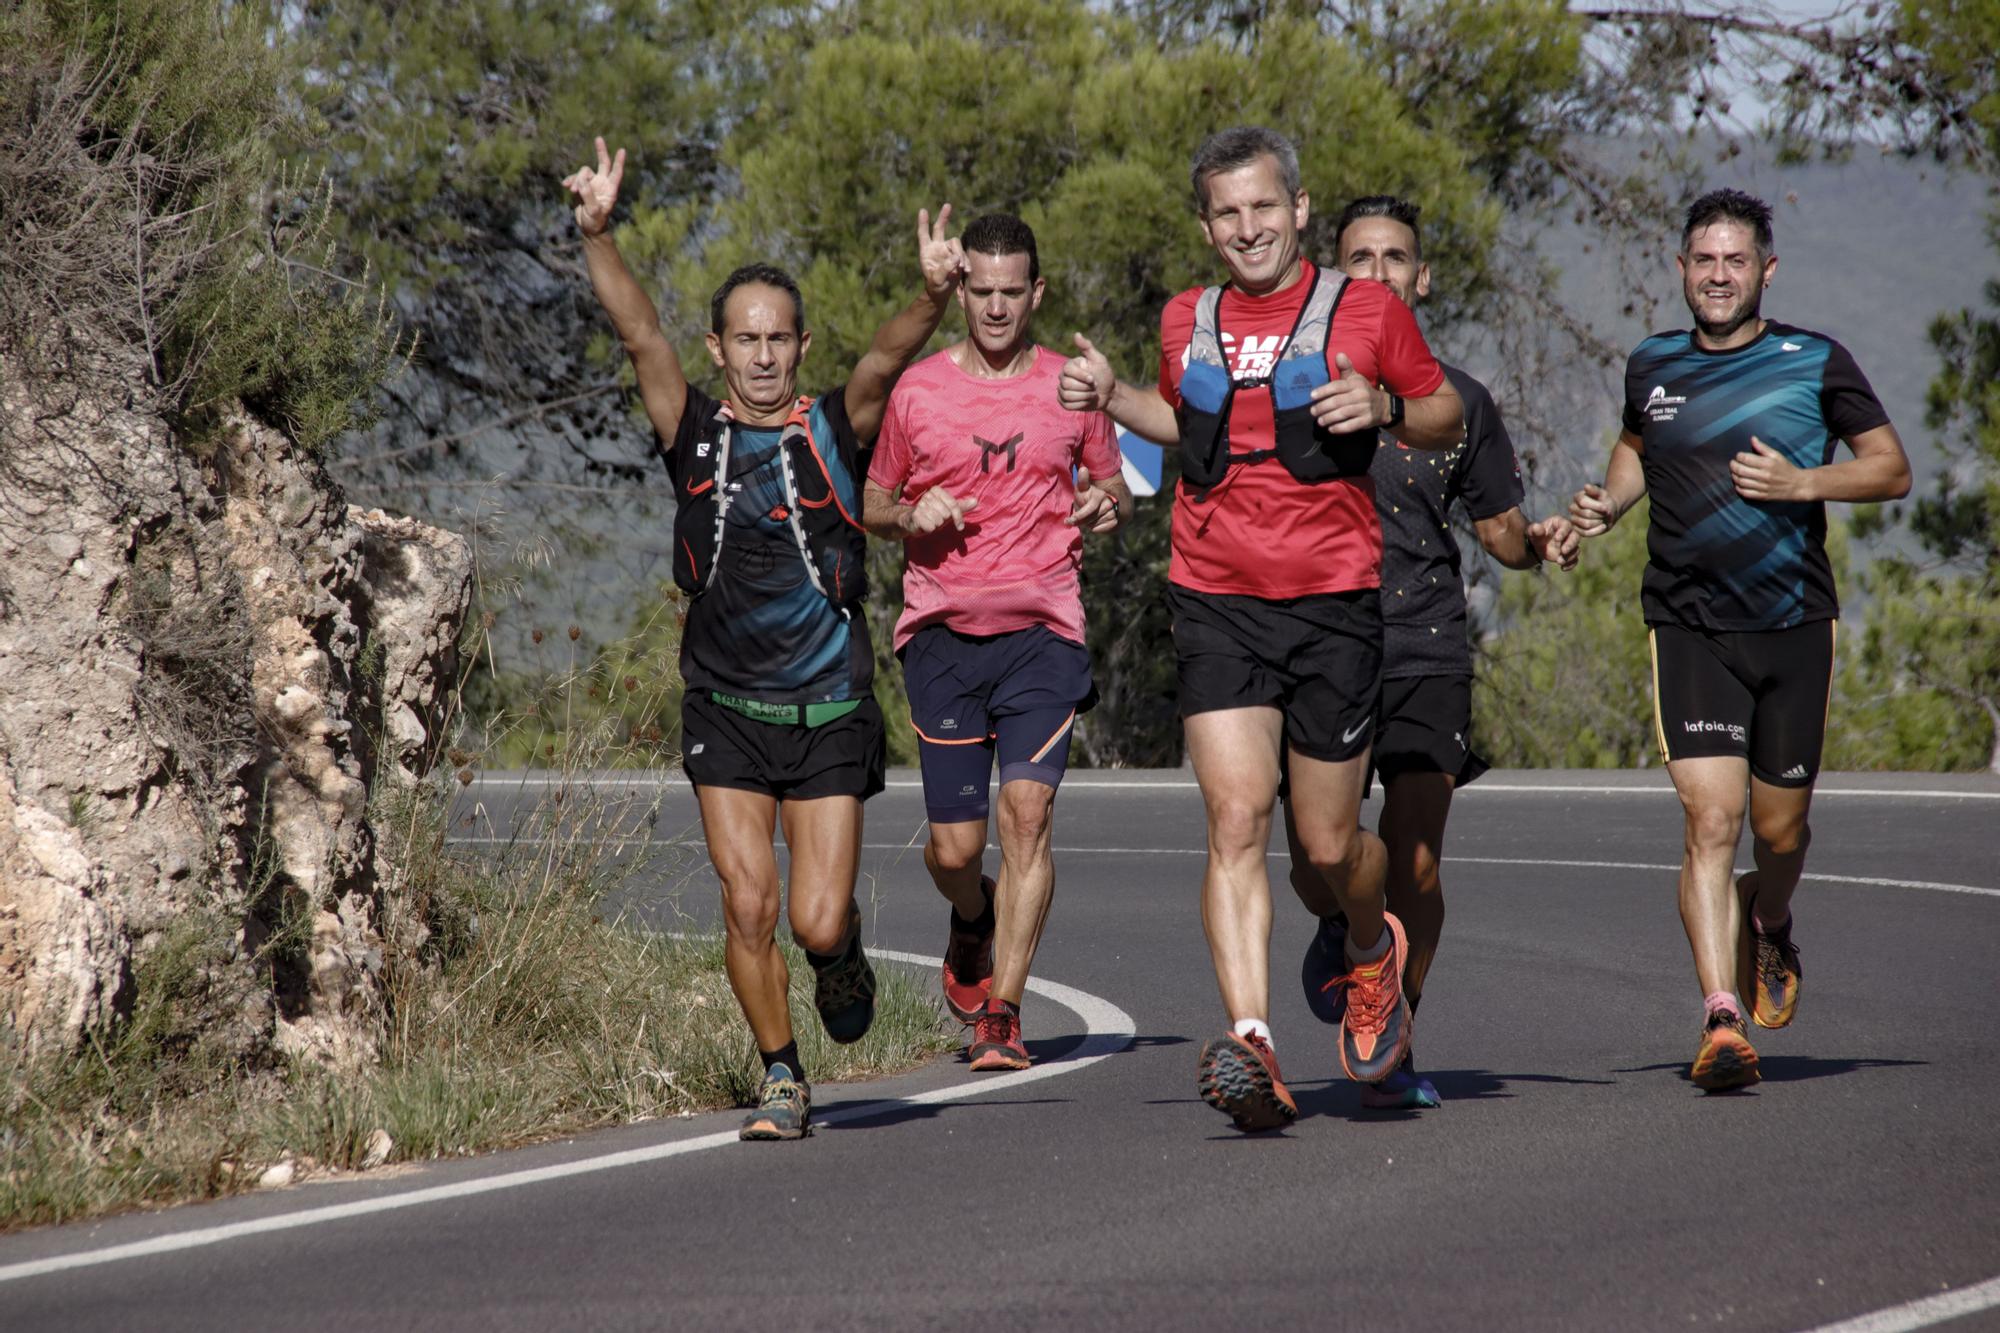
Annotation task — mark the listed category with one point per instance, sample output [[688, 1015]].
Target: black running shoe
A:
[[1322, 968], [784, 1107], [844, 989]]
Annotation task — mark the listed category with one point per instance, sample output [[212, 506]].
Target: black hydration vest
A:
[[1308, 453], [829, 539]]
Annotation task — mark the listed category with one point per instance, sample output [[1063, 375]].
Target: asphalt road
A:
[[1573, 1178]]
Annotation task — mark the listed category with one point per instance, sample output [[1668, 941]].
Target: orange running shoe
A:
[[996, 1038], [1778, 974], [968, 964], [1726, 1059], [1239, 1076], [1375, 1029]]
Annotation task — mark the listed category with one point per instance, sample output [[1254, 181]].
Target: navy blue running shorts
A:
[[977, 697], [1758, 694]]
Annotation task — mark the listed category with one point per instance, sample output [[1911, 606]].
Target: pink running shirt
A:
[[1011, 445]]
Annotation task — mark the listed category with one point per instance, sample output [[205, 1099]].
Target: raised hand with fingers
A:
[[1087, 380], [942, 258], [936, 508], [1555, 540], [596, 191], [1349, 403], [1093, 509], [1766, 474], [1593, 511]]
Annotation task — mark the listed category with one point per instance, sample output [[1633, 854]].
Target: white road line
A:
[[670, 778], [1922, 1313], [1107, 1031], [1815, 875]]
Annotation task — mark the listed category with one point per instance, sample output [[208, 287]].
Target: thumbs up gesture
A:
[[1094, 509], [1087, 380], [1350, 402]]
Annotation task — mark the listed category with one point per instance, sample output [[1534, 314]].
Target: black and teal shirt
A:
[[1719, 562], [762, 630]]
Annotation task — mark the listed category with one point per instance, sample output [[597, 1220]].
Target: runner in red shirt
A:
[[992, 485], [1275, 402]]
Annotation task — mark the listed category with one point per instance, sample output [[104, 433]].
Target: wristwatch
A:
[[1395, 412]]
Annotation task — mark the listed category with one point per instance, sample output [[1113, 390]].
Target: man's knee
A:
[[957, 847], [1712, 827], [1331, 851], [1025, 808], [820, 925], [1781, 833], [1236, 824], [750, 909]]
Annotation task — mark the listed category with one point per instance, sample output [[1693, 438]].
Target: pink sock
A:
[[1722, 1001]]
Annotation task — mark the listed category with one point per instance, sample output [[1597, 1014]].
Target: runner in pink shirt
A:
[[992, 486]]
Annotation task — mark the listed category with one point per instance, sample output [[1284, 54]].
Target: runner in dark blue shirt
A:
[[1730, 428], [1423, 718], [776, 716]]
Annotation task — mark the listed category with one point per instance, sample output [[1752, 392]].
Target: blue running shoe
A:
[[1403, 1090], [1324, 965]]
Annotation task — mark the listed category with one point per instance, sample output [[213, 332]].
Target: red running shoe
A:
[[1375, 1029], [1239, 1076], [996, 1038], [1726, 1059], [968, 964]]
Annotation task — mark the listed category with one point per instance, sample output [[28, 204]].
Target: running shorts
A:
[[973, 698], [720, 747], [1759, 694], [1424, 727], [1317, 659]]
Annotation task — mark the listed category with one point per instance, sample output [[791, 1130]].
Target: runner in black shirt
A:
[[1730, 428]]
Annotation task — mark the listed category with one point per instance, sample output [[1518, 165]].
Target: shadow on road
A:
[[860, 1115], [1786, 1068], [1342, 1098]]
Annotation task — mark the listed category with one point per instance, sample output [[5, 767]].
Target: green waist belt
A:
[[790, 715]]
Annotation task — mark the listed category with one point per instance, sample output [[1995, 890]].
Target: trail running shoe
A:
[[1778, 974], [1726, 1058], [1375, 1030], [1403, 1090], [1321, 969], [784, 1107], [844, 989], [996, 1038], [1239, 1076], [968, 964]]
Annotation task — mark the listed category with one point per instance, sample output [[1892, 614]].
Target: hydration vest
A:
[[1309, 453], [829, 539]]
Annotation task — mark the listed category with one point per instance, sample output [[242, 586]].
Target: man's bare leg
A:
[[738, 826], [1324, 819], [955, 854], [1235, 757], [1414, 809], [1712, 791], [1026, 885], [824, 837], [1780, 835]]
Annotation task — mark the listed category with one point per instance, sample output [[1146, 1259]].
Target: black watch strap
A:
[[1395, 410]]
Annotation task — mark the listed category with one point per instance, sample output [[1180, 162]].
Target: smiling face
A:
[[759, 350], [1723, 277], [1254, 224], [999, 300], [1381, 249]]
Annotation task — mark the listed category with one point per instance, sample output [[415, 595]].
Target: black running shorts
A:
[[720, 747], [1758, 694], [1425, 727], [1318, 659]]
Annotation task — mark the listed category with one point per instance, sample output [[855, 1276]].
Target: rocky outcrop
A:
[[207, 662]]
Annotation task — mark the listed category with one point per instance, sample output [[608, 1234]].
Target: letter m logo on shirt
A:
[[987, 448]]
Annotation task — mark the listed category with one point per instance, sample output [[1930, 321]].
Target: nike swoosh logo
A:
[[1347, 737]]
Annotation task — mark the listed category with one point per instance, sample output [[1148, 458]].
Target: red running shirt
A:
[[1011, 445], [1258, 532]]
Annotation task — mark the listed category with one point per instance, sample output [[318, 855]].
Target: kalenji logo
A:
[[1663, 406]]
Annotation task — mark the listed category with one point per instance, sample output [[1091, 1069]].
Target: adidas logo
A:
[[1795, 771]]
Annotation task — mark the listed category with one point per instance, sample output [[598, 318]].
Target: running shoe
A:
[[1321, 969], [996, 1038], [968, 963], [1778, 974], [1403, 1090], [844, 989], [1239, 1076], [784, 1107], [1375, 1030], [1726, 1058]]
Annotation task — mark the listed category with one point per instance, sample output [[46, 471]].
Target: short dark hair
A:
[[769, 275], [1390, 206], [1002, 234], [1732, 206], [1234, 149]]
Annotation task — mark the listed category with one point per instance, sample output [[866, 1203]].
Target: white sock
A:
[[1357, 956], [1256, 1027]]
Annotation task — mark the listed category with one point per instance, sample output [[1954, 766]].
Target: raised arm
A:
[[662, 385], [897, 342], [1594, 509], [1088, 384]]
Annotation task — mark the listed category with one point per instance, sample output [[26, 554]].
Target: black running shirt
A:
[[1719, 562]]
